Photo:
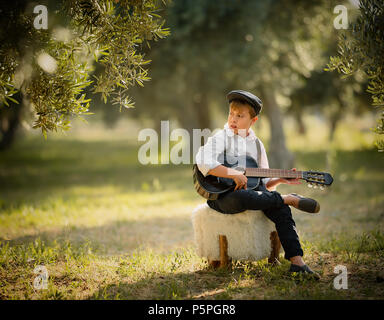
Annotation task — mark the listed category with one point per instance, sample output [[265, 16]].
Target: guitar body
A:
[[211, 186]]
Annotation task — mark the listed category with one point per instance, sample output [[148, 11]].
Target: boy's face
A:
[[239, 120]]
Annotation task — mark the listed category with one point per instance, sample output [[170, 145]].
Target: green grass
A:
[[107, 227]]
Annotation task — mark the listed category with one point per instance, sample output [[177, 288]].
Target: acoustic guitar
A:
[[210, 187]]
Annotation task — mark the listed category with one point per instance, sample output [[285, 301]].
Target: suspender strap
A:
[[258, 152]]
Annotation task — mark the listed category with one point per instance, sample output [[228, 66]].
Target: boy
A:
[[238, 139]]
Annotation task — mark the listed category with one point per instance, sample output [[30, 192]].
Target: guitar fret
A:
[[270, 173]]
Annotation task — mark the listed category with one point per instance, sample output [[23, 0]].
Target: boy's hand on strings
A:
[[241, 181], [290, 180]]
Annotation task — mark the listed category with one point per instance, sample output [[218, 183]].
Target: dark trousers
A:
[[272, 204]]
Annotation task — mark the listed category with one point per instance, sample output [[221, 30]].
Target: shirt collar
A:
[[230, 133], [228, 130]]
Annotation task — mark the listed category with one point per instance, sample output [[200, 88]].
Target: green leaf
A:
[[139, 82], [13, 100]]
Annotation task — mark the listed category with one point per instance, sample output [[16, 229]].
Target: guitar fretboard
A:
[[273, 173]]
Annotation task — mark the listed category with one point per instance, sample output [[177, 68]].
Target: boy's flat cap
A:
[[254, 101]]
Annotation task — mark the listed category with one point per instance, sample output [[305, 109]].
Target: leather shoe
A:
[[307, 204], [304, 270]]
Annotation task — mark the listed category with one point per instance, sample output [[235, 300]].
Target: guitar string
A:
[[268, 173]]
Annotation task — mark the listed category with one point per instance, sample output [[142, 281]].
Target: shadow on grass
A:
[[263, 281], [202, 284], [120, 237]]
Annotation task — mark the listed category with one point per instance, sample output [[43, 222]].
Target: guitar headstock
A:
[[317, 179]]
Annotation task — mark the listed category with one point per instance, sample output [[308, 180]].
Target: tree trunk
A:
[[200, 105], [195, 113], [335, 117], [9, 122], [278, 155], [186, 115], [301, 128], [333, 123], [332, 128]]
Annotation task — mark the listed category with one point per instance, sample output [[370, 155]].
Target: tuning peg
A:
[[310, 185], [321, 187], [315, 186]]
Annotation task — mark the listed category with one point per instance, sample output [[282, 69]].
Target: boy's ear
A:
[[254, 119]]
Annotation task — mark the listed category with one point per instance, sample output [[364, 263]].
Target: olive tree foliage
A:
[[52, 71], [199, 58], [361, 49], [326, 93], [269, 47]]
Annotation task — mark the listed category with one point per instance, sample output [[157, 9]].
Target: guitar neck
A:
[[273, 173]]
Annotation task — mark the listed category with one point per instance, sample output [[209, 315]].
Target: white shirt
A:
[[210, 155]]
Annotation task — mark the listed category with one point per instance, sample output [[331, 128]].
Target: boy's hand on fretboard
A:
[[290, 180]]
